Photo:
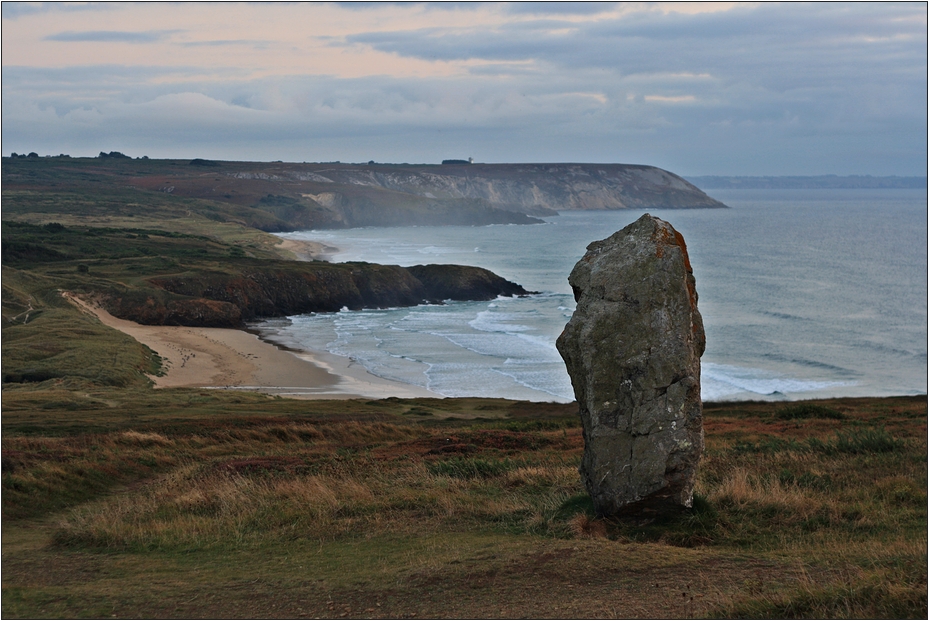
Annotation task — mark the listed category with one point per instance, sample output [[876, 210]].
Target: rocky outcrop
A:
[[159, 310], [461, 282], [633, 351], [278, 289]]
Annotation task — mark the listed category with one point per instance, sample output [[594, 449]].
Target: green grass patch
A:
[[807, 410], [854, 441], [846, 601], [470, 468], [858, 441]]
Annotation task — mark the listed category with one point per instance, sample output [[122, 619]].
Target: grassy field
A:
[[208, 504]]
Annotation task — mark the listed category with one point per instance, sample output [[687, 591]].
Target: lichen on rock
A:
[[632, 350]]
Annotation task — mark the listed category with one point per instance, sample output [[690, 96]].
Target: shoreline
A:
[[233, 359], [305, 250]]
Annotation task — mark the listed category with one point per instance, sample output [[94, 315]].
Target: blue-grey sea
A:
[[804, 293]]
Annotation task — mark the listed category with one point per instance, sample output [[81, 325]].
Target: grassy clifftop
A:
[[277, 196], [259, 195]]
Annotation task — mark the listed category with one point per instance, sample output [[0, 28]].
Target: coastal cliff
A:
[[224, 300], [529, 188], [349, 195], [279, 196]]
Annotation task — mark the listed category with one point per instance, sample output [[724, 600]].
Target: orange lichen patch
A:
[[683, 246], [662, 237], [668, 236]]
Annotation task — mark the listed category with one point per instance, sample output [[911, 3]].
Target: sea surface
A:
[[804, 293]]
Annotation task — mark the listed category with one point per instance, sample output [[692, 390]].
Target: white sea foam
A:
[[489, 321], [719, 381]]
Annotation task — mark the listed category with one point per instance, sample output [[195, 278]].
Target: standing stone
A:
[[633, 351]]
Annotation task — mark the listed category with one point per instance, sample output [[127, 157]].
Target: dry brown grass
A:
[[302, 481], [142, 439], [742, 489], [783, 524], [586, 527]]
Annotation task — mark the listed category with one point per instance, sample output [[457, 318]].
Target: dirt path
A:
[[538, 578]]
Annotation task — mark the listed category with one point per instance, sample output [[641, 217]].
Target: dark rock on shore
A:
[[212, 299], [460, 282], [633, 351], [168, 311]]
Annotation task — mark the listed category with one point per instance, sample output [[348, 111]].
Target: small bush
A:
[[806, 480], [768, 446], [537, 425], [867, 441], [420, 411], [808, 410], [462, 468], [585, 527], [578, 504], [142, 439], [854, 442]]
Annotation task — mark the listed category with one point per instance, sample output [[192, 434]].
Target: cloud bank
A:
[[768, 89]]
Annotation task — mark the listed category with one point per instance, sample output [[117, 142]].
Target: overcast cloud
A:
[[698, 89]]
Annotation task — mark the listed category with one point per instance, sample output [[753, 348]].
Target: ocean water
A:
[[804, 293]]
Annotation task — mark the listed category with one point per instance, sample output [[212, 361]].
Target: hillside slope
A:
[[277, 196], [533, 188]]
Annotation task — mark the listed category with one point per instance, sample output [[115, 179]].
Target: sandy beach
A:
[[305, 250], [223, 358]]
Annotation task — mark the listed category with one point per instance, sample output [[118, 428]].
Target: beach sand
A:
[[224, 358], [305, 250]]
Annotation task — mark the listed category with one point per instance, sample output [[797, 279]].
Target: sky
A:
[[698, 89]]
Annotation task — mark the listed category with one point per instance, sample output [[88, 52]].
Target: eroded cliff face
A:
[[302, 196], [537, 187], [228, 300]]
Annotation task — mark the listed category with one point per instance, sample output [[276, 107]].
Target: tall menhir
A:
[[633, 351]]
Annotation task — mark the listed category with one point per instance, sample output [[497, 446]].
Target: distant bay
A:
[[804, 293], [817, 182]]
